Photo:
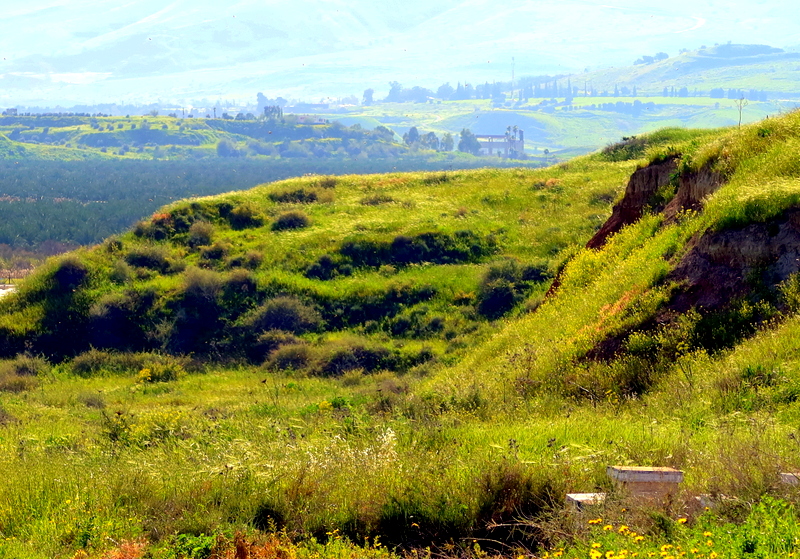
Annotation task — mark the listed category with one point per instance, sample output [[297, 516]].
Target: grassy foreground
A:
[[367, 366]]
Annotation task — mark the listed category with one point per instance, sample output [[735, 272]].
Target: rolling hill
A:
[[430, 359]]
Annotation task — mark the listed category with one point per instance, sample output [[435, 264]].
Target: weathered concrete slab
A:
[[580, 501], [790, 478]]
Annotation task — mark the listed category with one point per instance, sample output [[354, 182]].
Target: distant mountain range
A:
[[106, 51]]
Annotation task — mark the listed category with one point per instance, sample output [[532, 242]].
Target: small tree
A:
[[412, 136], [468, 142], [740, 104], [447, 142], [368, 97]]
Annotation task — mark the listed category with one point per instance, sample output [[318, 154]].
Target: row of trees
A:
[[413, 138], [540, 88]]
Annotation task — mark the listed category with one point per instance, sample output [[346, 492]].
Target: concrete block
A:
[[644, 474], [791, 478], [579, 501]]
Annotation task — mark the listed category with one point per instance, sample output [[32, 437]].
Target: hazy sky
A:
[[139, 50]]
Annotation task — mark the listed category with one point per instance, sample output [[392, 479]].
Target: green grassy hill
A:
[[348, 366], [730, 66]]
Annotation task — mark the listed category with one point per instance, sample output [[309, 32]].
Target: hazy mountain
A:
[[85, 50]]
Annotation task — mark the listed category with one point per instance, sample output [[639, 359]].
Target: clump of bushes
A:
[[151, 257], [98, 362], [376, 200], [302, 195], [505, 284], [161, 371], [291, 220], [217, 251], [439, 178], [245, 216], [286, 313], [435, 247], [251, 260], [338, 357], [328, 182], [70, 273], [268, 342], [20, 374], [629, 148], [200, 233]]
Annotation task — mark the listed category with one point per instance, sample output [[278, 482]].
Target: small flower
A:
[[681, 521], [596, 544], [709, 543], [608, 527], [623, 529], [707, 534], [595, 521]]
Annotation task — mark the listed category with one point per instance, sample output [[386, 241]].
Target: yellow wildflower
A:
[[608, 527], [681, 521]]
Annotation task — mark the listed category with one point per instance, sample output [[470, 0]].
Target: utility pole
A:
[[513, 63]]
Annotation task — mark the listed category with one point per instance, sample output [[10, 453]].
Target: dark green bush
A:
[[217, 251], [151, 257], [301, 195], [328, 182], [200, 234], [95, 362], [352, 354], [70, 273], [629, 148], [245, 216], [25, 366], [505, 284], [291, 220], [435, 247], [268, 342], [376, 200], [285, 313], [294, 357]]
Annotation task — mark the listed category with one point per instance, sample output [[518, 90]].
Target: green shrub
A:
[[70, 273], [217, 251], [328, 182], [290, 357], [161, 371], [200, 234], [505, 284], [121, 272], [376, 200], [20, 374], [629, 148], [98, 362], [302, 195], [245, 216], [285, 313], [199, 284], [151, 257], [291, 220], [267, 343]]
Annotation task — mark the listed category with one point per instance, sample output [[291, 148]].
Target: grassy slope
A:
[[494, 435]]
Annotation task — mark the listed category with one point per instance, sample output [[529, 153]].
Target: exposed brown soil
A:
[[721, 266], [692, 189], [642, 186]]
